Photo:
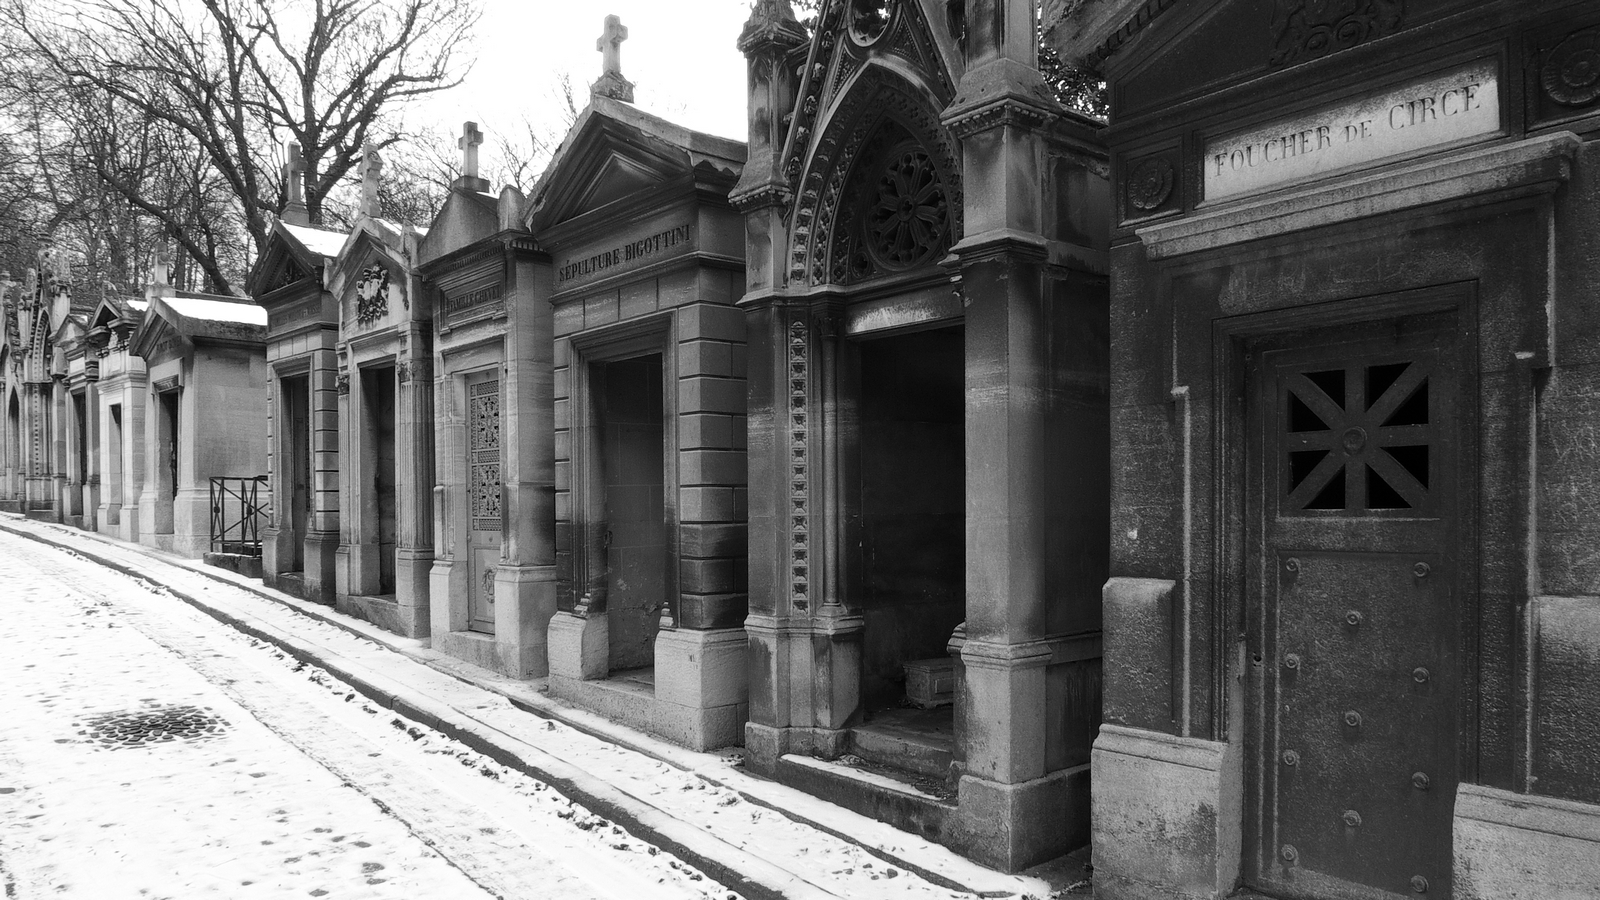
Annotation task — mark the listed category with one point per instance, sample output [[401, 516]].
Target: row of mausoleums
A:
[[799, 444], [827, 444], [141, 417]]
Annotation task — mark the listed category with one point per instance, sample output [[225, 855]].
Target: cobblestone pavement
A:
[[148, 751]]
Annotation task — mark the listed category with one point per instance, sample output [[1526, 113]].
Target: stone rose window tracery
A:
[[909, 216]]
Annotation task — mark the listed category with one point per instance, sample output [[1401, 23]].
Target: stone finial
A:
[[371, 175], [294, 178], [611, 83], [471, 137], [161, 270]]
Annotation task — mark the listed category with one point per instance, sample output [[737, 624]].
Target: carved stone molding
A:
[[799, 471], [1571, 74], [342, 383]]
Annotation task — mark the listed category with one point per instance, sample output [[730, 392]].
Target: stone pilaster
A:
[[525, 581], [1011, 806], [322, 534], [414, 460]]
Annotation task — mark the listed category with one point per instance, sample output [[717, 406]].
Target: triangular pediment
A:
[[468, 216], [616, 152], [293, 253]]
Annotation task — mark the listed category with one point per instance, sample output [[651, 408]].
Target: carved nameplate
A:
[[612, 259], [1441, 109], [470, 300]]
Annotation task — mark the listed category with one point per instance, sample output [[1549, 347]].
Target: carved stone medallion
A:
[[1571, 76], [1150, 184]]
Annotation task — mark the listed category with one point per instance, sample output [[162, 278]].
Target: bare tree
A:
[[236, 79]]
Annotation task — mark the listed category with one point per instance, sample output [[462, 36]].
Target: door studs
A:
[[1352, 818], [1353, 619], [1419, 884], [1352, 718], [1420, 675], [1421, 570], [1291, 758], [1291, 661], [1289, 853], [1420, 781]]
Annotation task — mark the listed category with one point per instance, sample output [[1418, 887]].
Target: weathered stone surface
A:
[[1167, 816], [1518, 847]]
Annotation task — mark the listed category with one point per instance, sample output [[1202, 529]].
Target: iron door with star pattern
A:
[[1354, 628]]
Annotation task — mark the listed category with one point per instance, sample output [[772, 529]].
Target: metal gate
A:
[[1353, 623], [484, 523]]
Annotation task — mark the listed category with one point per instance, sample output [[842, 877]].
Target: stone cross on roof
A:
[[471, 137], [610, 44], [294, 173], [371, 170], [611, 83]]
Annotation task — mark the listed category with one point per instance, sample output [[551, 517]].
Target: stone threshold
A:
[[934, 864]]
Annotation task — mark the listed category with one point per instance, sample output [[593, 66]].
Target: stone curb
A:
[[736, 869], [544, 708]]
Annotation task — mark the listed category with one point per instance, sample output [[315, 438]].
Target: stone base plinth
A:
[[699, 694], [248, 566], [1167, 816], [1521, 847]]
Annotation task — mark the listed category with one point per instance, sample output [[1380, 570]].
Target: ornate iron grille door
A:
[[1354, 622], [483, 499]]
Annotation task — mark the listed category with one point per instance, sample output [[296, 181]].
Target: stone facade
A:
[[1350, 633], [204, 410], [386, 433], [649, 423], [493, 573], [289, 281], [926, 317]]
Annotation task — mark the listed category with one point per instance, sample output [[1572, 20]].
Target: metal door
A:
[[484, 524], [297, 401], [1354, 620]]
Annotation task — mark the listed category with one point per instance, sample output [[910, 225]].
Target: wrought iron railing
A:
[[238, 509]]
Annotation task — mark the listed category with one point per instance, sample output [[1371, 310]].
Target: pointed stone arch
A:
[[883, 134]]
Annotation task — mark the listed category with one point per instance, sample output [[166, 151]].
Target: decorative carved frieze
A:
[[1304, 30], [799, 470]]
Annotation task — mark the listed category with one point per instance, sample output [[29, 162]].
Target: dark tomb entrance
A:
[[631, 432], [912, 568], [1356, 580], [14, 443], [378, 388], [80, 438], [114, 473], [169, 442], [297, 418]]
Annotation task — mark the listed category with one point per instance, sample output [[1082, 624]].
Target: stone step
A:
[[873, 793], [909, 740]]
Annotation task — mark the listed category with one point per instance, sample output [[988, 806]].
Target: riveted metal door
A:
[[1355, 486], [484, 522]]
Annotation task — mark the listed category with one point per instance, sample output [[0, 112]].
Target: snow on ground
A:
[[688, 793], [150, 751]]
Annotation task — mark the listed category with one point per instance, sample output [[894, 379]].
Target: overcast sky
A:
[[680, 54]]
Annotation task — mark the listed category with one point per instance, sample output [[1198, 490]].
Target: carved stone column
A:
[[415, 463]]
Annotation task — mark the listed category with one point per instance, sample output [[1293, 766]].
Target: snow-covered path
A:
[[146, 750]]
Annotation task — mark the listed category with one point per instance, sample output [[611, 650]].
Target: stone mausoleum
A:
[[1352, 648], [290, 280], [926, 321], [648, 262]]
